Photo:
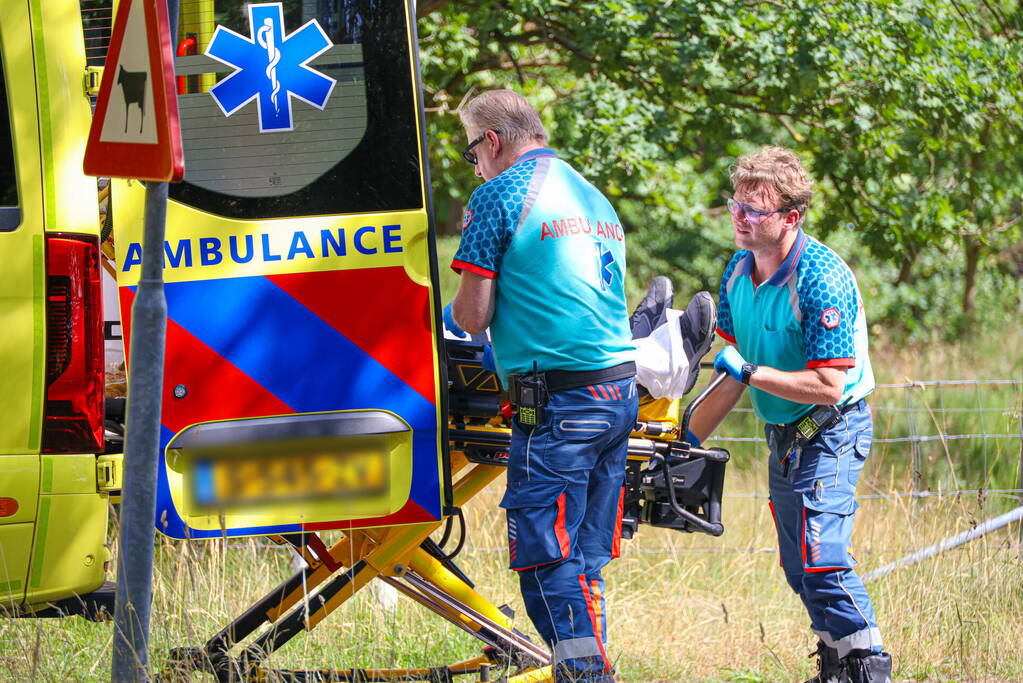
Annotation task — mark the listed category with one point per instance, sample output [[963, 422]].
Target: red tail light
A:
[[73, 415]]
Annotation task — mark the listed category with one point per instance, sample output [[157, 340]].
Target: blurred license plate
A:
[[240, 480]]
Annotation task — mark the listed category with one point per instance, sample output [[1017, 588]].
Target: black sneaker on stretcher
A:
[[697, 322]]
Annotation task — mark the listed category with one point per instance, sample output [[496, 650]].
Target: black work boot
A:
[[650, 311], [698, 323], [863, 666], [829, 666]]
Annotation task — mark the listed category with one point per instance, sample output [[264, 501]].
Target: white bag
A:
[[661, 362]]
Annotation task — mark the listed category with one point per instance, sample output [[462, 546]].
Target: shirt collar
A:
[[787, 267], [536, 154]]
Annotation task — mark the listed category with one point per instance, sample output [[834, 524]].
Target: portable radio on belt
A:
[[530, 398], [819, 419]]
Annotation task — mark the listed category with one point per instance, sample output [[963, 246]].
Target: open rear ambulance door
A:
[[302, 387]]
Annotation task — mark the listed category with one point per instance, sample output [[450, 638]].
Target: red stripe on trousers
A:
[[593, 620], [616, 538], [774, 517], [595, 590], [564, 543]]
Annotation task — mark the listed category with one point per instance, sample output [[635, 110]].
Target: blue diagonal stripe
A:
[[285, 347], [305, 362]]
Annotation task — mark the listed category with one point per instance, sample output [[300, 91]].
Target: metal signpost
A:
[[130, 140]]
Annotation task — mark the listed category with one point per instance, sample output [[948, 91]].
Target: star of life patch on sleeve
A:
[[830, 318], [466, 219]]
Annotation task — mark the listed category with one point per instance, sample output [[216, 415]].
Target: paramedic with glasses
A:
[[542, 259], [793, 316]]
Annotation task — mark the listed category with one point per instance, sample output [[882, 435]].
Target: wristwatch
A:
[[747, 371]]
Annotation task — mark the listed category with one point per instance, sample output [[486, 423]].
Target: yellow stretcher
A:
[[406, 558]]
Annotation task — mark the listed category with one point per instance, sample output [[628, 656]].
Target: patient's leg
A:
[[698, 324], [649, 314]]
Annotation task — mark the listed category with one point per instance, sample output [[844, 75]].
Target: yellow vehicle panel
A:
[[14, 538], [68, 553], [22, 277], [19, 479], [53, 546]]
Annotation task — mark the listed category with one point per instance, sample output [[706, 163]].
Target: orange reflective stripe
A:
[[593, 620], [595, 590]]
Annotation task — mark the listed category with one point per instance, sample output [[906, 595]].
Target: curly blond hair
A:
[[780, 169]]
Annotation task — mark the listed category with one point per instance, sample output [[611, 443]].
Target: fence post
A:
[[1019, 481], [914, 444]]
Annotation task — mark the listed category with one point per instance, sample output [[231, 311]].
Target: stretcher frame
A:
[[405, 558], [397, 556]]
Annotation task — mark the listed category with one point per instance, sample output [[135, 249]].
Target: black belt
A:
[[562, 380], [855, 405]]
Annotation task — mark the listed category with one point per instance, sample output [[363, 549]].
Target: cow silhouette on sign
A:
[[133, 87]]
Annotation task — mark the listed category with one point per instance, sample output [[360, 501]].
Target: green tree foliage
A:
[[909, 114]]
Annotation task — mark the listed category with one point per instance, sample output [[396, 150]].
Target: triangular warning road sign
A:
[[135, 130]]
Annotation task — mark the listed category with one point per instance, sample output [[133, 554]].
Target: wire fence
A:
[[932, 439], [937, 437]]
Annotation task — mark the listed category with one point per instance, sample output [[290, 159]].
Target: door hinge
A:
[[109, 472], [93, 77]]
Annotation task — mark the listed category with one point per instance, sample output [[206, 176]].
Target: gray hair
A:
[[506, 111]]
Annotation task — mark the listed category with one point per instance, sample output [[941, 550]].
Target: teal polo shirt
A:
[[808, 314], [556, 248]]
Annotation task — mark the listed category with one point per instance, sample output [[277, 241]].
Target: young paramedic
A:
[[542, 258], [791, 310]]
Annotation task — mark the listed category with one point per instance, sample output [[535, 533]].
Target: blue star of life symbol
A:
[[605, 259], [270, 67]]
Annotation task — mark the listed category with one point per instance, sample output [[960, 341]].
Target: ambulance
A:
[[298, 249]]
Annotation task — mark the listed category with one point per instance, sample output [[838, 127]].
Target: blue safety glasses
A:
[[754, 216]]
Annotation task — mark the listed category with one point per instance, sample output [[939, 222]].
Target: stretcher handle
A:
[[714, 529], [695, 403]]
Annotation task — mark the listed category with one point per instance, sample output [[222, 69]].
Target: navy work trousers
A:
[[564, 504], [813, 493]]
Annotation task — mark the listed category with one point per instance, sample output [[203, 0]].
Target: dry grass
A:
[[682, 608]]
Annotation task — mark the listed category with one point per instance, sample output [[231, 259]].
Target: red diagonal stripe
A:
[[214, 388], [409, 513], [380, 310]]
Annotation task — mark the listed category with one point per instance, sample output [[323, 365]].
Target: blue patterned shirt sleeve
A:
[[725, 327], [829, 303], [491, 219]]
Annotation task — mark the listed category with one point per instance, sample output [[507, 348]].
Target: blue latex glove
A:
[[449, 322], [693, 440], [488, 358], [729, 361]]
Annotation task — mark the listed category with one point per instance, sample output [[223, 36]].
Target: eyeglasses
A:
[[470, 155], [754, 216]]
